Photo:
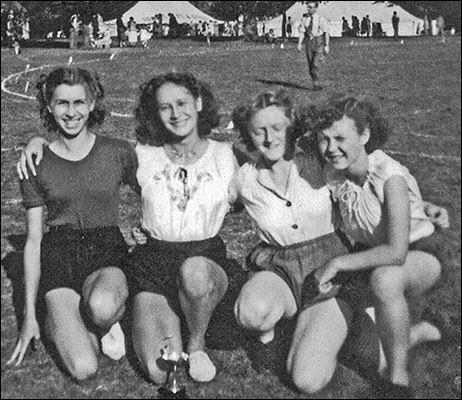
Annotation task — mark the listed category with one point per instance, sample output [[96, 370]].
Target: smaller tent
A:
[[13, 5], [143, 12], [333, 11]]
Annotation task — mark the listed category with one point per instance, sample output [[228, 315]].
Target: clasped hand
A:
[[325, 274]]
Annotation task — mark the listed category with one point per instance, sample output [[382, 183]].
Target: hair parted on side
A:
[[71, 76], [150, 129], [242, 115], [362, 111]]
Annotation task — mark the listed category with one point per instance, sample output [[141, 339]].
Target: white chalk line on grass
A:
[[18, 74], [431, 156]]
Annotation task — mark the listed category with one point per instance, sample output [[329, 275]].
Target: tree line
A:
[[54, 15]]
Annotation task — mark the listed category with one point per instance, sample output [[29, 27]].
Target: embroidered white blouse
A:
[[182, 203], [302, 213], [361, 206]]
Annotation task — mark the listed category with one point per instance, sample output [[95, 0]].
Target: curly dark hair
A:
[[151, 130], [243, 114], [47, 85], [314, 119]]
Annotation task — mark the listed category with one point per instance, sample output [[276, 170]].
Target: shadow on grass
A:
[[13, 265], [284, 84]]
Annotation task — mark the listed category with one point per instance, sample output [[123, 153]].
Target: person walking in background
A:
[[76, 268], [87, 28], [346, 30], [355, 25], [132, 32], [368, 27], [395, 23], [74, 32], [25, 26], [314, 29], [440, 28], [121, 32], [426, 24], [363, 26], [288, 27], [145, 35]]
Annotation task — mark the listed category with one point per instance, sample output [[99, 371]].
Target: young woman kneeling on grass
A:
[[77, 265], [383, 214]]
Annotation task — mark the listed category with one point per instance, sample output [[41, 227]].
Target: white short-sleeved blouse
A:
[[182, 203], [361, 206], [302, 213]]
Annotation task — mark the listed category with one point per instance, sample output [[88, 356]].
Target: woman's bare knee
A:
[[253, 312], [195, 277], [387, 283], [103, 306], [81, 368], [311, 381]]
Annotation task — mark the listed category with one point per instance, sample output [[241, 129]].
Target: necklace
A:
[[183, 155]]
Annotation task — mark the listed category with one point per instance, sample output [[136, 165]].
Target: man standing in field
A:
[[316, 31], [395, 23], [440, 28]]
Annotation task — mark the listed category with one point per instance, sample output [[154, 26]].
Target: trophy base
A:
[[166, 393]]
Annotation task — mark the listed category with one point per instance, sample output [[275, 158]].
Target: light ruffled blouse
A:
[[361, 206]]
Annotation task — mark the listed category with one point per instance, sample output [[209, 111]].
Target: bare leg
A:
[[155, 325], [393, 287], [103, 295], [262, 302], [320, 332], [76, 346], [203, 284]]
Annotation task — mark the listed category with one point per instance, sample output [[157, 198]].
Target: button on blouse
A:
[[300, 214]]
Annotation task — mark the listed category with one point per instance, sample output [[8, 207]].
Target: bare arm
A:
[[34, 148], [326, 42], [394, 251], [301, 36], [30, 329], [300, 42]]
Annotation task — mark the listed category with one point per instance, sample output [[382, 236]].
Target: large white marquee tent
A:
[[144, 11], [380, 12]]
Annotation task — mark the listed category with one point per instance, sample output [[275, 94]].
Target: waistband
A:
[[72, 230], [312, 242], [204, 242]]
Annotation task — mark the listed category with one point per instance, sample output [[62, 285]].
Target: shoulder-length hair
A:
[[151, 130], [363, 112], [242, 115], [47, 85]]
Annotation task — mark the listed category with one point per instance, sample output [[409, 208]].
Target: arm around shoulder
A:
[[33, 150]]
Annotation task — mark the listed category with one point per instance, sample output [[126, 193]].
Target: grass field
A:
[[418, 85]]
